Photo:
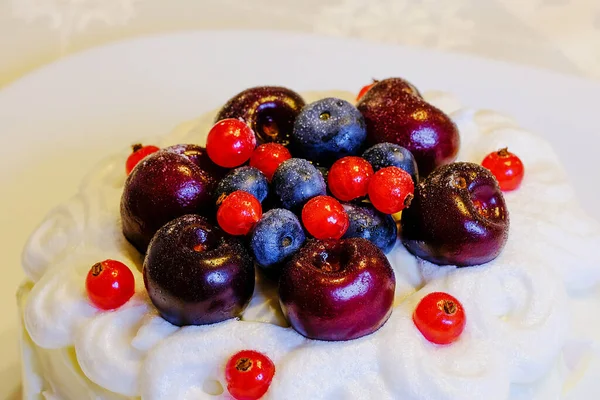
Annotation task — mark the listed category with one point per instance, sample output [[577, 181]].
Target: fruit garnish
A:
[[248, 179], [325, 218], [295, 182], [392, 155], [109, 284], [391, 189], [337, 289], [349, 177], [238, 213], [327, 130], [230, 143], [506, 167], [458, 217], [440, 318], [365, 89], [368, 223], [267, 157], [139, 153], [195, 274], [249, 375], [269, 110], [276, 237]]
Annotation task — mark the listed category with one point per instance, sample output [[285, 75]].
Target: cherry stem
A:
[[97, 269], [244, 364], [503, 152], [449, 307], [137, 147]]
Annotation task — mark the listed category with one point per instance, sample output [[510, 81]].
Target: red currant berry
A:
[[365, 89], [349, 178], [506, 167], [440, 318], [238, 213], [109, 284], [325, 218], [391, 189], [249, 375], [230, 143], [268, 156], [139, 153]]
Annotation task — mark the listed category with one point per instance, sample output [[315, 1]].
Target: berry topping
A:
[[195, 274], [269, 110], [365, 89], [139, 152], [238, 213], [325, 218], [440, 318], [368, 223], [276, 237], [268, 156], [296, 181], [249, 375], [109, 284], [506, 167], [327, 130], [391, 155], [349, 177], [230, 143], [391, 189], [248, 179]]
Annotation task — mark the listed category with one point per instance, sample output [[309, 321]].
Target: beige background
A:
[[563, 35]]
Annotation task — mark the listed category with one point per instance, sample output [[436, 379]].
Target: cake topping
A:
[[238, 213], [365, 89], [506, 167], [139, 152], [391, 190], [230, 143], [248, 179], [368, 223], [295, 182], [348, 178], [392, 155], [267, 157], [440, 318], [325, 218], [109, 284], [249, 375]]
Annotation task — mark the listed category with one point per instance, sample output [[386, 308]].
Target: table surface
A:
[[562, 35]]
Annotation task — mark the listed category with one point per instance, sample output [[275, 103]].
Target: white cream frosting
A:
[[525, 310]]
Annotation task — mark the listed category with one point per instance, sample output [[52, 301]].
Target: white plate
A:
[[60, 120]]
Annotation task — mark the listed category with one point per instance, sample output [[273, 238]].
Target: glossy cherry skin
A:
[[249, 374], [458, 217], [349, 177], [391, 189], [364, 90], [506, 167], [199, 156], [161, 188], [267, 157], [337, 290], [238, 213], [392, 87], [109, 284], [325, 218], [195, 274], [269, 110], [395, 116], [440, 318], [230, 143], [139, 153]]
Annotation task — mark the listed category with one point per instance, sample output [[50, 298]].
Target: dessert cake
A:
[[286, 271]]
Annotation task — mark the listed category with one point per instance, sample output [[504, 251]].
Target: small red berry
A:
[[268, 156], [249, 375], [365, 89], [349, 178], [139, 153], [109, 284], [325, 218], [391, 189], [238, 213], [506, 167], [230, 143], [440, 318]]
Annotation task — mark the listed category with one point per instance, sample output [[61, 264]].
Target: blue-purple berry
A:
[[392, 155], [295, 182], [247, 179], [368, 223]]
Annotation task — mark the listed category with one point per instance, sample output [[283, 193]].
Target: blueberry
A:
[[389, 154], [327, 130], [295, 182], [276, 237], [368, 223], [248, 179]]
